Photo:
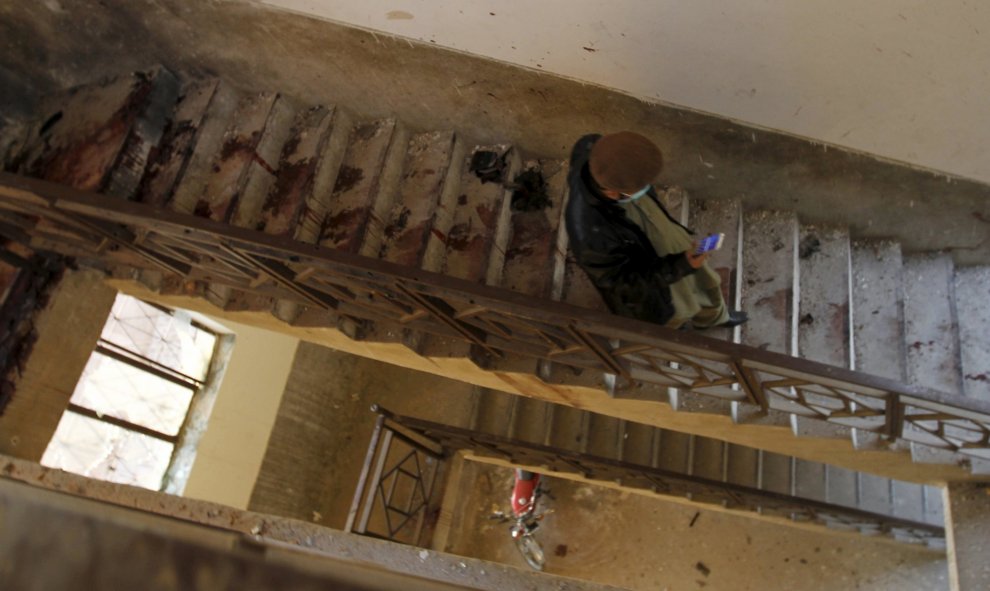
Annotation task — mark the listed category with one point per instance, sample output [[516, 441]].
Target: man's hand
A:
[[695, 259]]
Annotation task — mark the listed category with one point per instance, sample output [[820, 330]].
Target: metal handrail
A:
[[499, 322], [545, 458]]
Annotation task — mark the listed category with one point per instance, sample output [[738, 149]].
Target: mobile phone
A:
[[710, 243]]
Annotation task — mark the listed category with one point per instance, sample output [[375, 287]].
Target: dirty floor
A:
[[593, 533]]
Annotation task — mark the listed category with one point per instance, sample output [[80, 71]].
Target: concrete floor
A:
[[641, 543], [610, 537]]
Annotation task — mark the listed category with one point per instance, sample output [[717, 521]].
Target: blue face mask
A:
[[634, 196]]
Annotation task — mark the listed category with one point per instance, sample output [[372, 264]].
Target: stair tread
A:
[[705, 217], [930, 327], [768, 293], [494, 412], [907, 500], [724, 216], [823, 321], [776, 472], [743, 466], [810, 480], [604, 433], [168, 162], [708, 458], [531, 421], [408, 221], [474, 219], [567, 428], [824, 333], [972, 292], [298, 163], [842, 486], [208, 142], [878, 314], [231, 168], [531, 253], [357, 185], [874, 494], [637, 443], [86, 131], [878, 318], [769, 256]]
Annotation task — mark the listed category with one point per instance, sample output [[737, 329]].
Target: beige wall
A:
[[67, 330], [903, 80], [229, 455]]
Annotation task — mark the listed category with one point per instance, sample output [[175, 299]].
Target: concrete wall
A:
[[903, 80], [68, 329], [230, 453]]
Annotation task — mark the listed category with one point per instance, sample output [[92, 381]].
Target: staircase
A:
[[316, 175]]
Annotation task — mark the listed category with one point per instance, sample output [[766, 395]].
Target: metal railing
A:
[[394, 494], [499, 323], [665, 482]]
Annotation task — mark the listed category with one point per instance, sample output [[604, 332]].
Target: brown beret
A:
[[625, 161]]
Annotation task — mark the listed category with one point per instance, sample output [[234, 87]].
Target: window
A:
[[127, 413]]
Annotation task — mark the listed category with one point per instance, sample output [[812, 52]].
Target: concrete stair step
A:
[[931, 330], [709, 458], [907, 500], [706, 217], [532, 261], [170, 160], [972, 292], [98, 137], [196, 168], [824, 321], [676, 451], [841, 486], [769, 292], [875, 494], [473, 232], [474, 245], [495, 412], [399, 229], [934, 505], [638, 443], [743, 465], [306, 171], [878, 319], [296, 198], [776, 472], [810, 480], [359, 182], [931, 337], [568, 429], [532, 420], [604, 436], [408, 219], [244, 167]]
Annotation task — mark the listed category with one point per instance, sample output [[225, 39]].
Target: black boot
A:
[[736, 317]]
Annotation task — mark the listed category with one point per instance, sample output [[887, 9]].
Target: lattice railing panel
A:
[[498, 322]]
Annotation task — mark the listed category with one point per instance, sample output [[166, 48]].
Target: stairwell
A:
[[316, 175]]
